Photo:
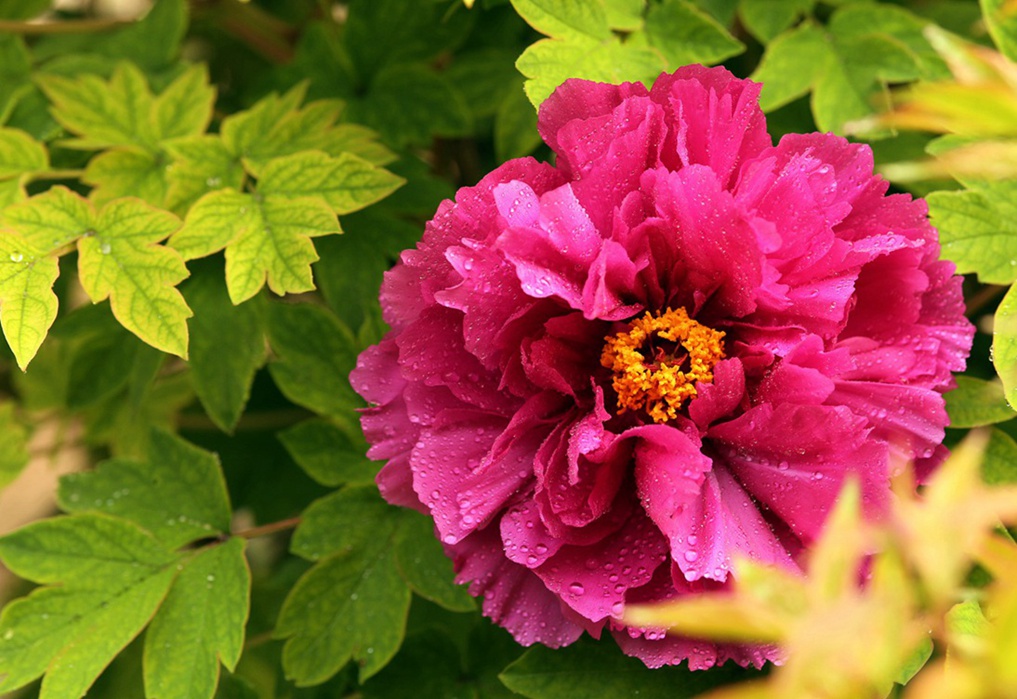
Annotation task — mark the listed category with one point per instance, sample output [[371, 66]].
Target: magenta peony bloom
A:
[[607, 377]]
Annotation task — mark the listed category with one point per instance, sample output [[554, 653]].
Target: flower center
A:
[[659, 359]]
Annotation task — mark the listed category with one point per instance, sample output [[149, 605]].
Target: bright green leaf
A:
[[978, 229], [200, 624], [28, 305], [351, 605], [184, 108], [112, 577], [315, 354], [347, 183], [120, 172], [549, 62], [999, 463], [227, 348], [20, 154], [50, 220], [178, 493], [790, 65], [565, 18], [200, 164], [426, 568], [1004, 344], [265, 237], [328, 454], [916, 662], [765, 19], [103, 114], [975, 403], [1002, 25], [119, 259], [685, 34], [625, 15]]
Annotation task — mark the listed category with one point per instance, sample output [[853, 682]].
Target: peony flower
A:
[[607, 377]]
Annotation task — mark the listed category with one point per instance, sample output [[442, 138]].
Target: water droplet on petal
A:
[[577, 588]]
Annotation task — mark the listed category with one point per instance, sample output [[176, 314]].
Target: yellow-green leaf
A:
[[119, 259], [265, 237], [28, 305], [20, 154], [347, 183]]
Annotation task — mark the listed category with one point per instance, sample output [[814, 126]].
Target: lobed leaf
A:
[[200, 624], [685, 34], [266, 237], [227, 348], [348, 183], [565, 18], [425, 567], [20, 154], [977, 229], [178, 494], [28, 305], [119, 259], [314, 354], [975, 403], [112, 577]]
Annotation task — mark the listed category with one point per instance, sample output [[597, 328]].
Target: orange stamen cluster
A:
[[658, 384]]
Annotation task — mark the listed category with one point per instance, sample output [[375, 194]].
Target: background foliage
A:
[[176, 299]]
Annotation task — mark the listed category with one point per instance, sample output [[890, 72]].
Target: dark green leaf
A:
[[591, 670], [330, 455], [425, 567], [315, 353], [227, 348]]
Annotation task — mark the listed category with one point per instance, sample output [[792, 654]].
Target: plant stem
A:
[[56, 175], [982, 298], [270, 528]]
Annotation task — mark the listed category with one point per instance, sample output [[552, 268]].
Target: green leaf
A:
[[428, 665], [625, 15], [515, 125], [484, 78], [315, 354], [178, 494], [200, 164], [1002, 25], [227, 348], [1004, 344], [200, 624], [975, 403], [119, 259], [126, 173], [20, 154], [999, 463], [565, 18], [329, 454], [685, 34], [589, 669], [791, 65], [15, 71], [276, 126], [348, 183], [23, 9], [184, 108], [978, 229], [265, 237], [916, 662], [549, 62], [112, 577], [28, 305], [13, 444], [351, 519], [103, 114], [765, 19], [424, 566], [352, 605], [438, 108]]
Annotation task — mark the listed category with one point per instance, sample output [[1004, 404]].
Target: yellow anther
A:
[[656, 376]]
